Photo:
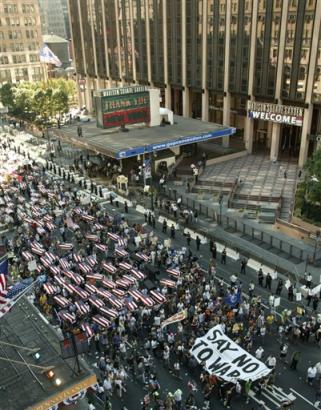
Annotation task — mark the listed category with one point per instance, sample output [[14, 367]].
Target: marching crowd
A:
[[117, 282]]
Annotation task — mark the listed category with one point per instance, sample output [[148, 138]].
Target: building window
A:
[[5, 76], [19, 59], [33, 58], [4, 60]]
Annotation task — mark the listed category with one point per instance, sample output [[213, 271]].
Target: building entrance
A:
[[290, 138], [177, 101], [261, 137]]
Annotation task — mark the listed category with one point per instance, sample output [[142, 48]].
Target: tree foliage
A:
[[41, 101], [313, 178]]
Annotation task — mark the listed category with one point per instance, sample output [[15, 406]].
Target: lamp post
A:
[[220, 201]]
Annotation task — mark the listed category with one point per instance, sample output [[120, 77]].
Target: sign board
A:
[[282, 114], [121, 106], [225, 358]]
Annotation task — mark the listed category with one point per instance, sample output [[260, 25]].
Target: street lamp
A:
[[220, 201]]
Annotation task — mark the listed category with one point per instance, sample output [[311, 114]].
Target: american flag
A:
[[131, 305], [95, 276], [167, 282], [111, 313], [5, 304], [91, 260], [55, 270], [90, 288], [67, 316], [125, 266], [129, 279], [119, 293], [142, 256], [121, 252], [98, 226], [147, 301], [115, 302], [135, 294], [174, 272], [101, 247], [87, 329], [93, 300], [77, 258], [113, 236], [91, 237], [65, 246], [121, 242], [84, 268], [82, 307], [157, 296], [73, 276], [64, 264], [50, 289], [109, 267], [122, 283], [101, 321], [104, 293], [138, 274], [61, 301], [108, 284], [88, 218], [50, 226]]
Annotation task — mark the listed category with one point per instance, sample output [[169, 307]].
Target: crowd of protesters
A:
[[117, 282]]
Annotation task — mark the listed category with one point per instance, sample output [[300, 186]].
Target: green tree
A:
[[312, 181], [7, 95]]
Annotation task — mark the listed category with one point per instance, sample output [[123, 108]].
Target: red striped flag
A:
[[75, 277], [142, 256], [87, 218], [54, 270], [50, 226], [90, 288], [113, 236], [82, 307], [111, 313], [101, 321], [121, 252], [93, 300], [84, 268], [60, 280], [96, 276], [78, 211], [65, 246], [67, 316], [129, 279], [103, 293], [138, 274], [132, 306], [109, 267], [91, 237], [167, 282], [119, 293], [50, 289], [147, 301], [80, 292], [61, 301], [121, 242], [115, 302], [77, 258], [122, 283], [64, 264], [125, 266], [37, 251], [157, 296], [135, 294], [174, 272], [91, 260], [87, 329], [108, 284], [98, 226], [101, 247], [3, 289], [45, 262], [50, 256]]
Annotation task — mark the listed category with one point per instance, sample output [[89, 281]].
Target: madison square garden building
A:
[[251, 64]]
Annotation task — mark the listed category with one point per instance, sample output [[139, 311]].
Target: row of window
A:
[[13, 8], [16, 21], [18, 34], [18, 59]]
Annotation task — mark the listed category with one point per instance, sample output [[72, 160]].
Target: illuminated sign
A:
[[121, 106], [282, 114]]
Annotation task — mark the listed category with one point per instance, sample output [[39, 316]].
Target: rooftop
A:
[[141, 139], [52, 38], [24, 387]]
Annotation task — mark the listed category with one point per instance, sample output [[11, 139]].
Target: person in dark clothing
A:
[[243, 266], [173, 231], [260, 277], [223, 257], [295, 360], [149, 218], [315, 302], [214, 251], [188, 239], [279, 287], [126, 207], [198, 242], [164, 226], [290, 293], [153, 221], [268, 281]]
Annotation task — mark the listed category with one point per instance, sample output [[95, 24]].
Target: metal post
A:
[[317, 238]]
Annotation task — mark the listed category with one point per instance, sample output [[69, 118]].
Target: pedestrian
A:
[[178, 394], [260, 277], [285, 174], [243, 266], [311, 374], [308, 280], [153, 221], [188, 239], [290, 293], [271, 362], [126, 207], [251, 289], [173, 231], [309, 297], [259, 352], [198, 242], [195, 216], [279, 287], [223, 256], [315, 302], [299, 173], [295, 360], [164, 226], [228, 397], [247, 388], [214, 251], [283, 351], [268, 281]]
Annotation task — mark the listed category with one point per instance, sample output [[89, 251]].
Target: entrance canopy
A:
[[141, 139]]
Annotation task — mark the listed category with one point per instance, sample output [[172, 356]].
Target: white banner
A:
[[225, 358]]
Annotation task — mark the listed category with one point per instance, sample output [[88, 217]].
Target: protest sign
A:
[[225, 358], [175, 318]]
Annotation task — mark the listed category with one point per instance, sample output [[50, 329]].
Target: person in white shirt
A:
[[271, 362], [259, 353], [311, 374]]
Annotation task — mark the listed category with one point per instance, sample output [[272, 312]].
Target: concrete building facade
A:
[[20, 41], [251, 64], [53, 18]]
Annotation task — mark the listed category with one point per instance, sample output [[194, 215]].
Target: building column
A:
[[275, 137], [308, 112], [105, 43], [132, 40], [168, 91], [249, 125], [275, 141], [227, 96], [96, 83], [186, 93], [204, 64], [88, 99], [149, 57], [120, 72]]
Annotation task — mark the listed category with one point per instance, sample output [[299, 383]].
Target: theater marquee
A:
[[282, 114]]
